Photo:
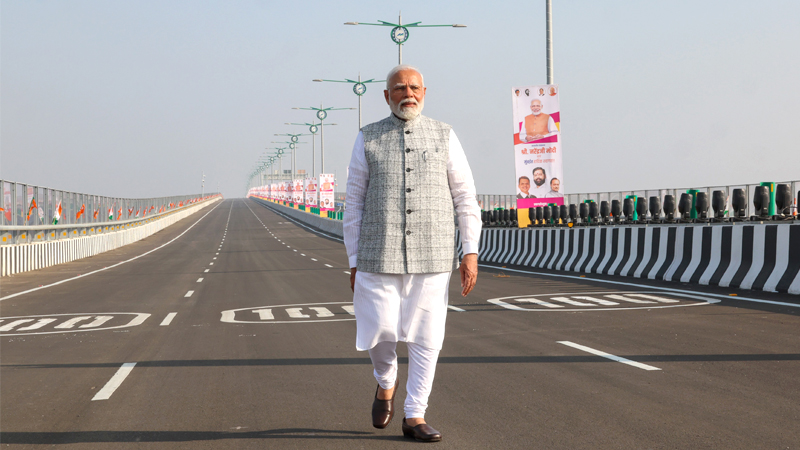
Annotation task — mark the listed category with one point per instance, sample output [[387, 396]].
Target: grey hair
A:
[[400, 68]]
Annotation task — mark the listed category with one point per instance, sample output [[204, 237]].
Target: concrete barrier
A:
[[20, 258], [328, 226]]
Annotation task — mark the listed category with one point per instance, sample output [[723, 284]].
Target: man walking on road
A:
[[408, 175]]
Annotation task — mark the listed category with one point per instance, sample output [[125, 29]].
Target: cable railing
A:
[[27, 205]]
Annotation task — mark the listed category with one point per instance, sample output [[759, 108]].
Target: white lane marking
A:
[[216, 253], [328, 265], [313, 259], [608, 355], [211, 264], [111, 266], [205, 271], [264, 314], [346, 272], [294, 249], [214, 257], [168, 320], [571, 302], [598, 300], [114, 382], [350, 310], [454, 308], [199, 280], [626, 299], [295, 313], [539, 302], [302, 254], [321, 311], [39, 324], [598, 280], [189, 294], [72, 322], [99, 320], [654, 297], [10, 326]]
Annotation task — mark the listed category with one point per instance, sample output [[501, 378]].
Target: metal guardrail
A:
[[17, 198]]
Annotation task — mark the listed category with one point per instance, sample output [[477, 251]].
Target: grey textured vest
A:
[[407, 224]]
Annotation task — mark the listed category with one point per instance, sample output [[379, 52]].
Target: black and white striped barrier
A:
[[759, 256]]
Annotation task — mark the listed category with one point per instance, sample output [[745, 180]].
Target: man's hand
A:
[[469, 273], [353, 279]]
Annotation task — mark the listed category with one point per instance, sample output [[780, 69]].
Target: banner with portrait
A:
[[297, 191], [537, 146], [326, 185], [311, 192]]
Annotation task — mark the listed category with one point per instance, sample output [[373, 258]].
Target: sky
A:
[[139, 99]]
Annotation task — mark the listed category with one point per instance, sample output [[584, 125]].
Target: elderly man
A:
[[537, 125], [408, 175]]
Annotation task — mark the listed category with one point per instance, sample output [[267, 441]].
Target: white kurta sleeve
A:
[[462, 188], [357, 182]]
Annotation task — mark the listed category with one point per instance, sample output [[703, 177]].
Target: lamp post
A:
[[322, 113], [279, 157], [359, 88], [549, 15], [292, 144], [399, 31], [313, 128]]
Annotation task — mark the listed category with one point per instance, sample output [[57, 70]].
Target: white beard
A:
[[408, 113]]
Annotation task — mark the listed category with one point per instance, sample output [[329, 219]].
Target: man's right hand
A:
[[353, 279]]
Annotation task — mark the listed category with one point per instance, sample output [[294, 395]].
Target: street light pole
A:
[[549, 42], [399, 33], [322, 113], [359, 88]]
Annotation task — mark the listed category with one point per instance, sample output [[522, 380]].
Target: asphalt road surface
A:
[[233, 329]]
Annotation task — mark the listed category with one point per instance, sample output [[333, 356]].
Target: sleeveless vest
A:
[[408, 220], [536, 124]]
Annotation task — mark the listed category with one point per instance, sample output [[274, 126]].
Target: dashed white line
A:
[[168, 320], [199, 280], [302, 254], [347, 272], [608, 355], [313, 259], [205, 271], [328, 265], [214, 257], [189, 294], [211, 264], [114, 382], [294, 249], [454, 308]]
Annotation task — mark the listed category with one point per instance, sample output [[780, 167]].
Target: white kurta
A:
[[411, 307]]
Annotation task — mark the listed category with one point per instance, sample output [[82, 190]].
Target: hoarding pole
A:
[[549, 41]]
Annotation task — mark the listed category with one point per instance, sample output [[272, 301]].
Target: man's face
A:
[[517, 92], [538, 177], [536, 107], [555, 185], [406, 94], [524, 185]]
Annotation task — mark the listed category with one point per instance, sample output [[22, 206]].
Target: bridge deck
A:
[[241, 330]]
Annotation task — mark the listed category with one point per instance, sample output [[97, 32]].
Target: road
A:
[[233, 329]]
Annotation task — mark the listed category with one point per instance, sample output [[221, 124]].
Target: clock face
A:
[[321, 115], [291, 146], [399, 34], [359, 88], [295, 139], [313, 129]]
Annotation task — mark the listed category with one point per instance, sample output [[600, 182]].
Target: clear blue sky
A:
[[138, 98]]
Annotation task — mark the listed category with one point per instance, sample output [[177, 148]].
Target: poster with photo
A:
[[311, 192], [297, 192], [326, 185], [537, 146]]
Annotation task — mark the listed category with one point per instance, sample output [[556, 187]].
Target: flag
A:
[[130, 211], [137, 213], [119, 212], [152, 208], [7, 213], [57, 214], [96, 212], [110, 213], [30, 209], [80, 212]]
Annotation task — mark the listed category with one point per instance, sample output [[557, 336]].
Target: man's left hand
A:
[[469, 273]]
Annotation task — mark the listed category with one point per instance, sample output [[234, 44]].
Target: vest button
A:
[[408, 170], [408, 150], [408, 132], [408, 211], [408, 189], [408, 232]]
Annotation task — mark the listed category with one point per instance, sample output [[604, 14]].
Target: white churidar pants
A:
[[402, 307], [421, 369]]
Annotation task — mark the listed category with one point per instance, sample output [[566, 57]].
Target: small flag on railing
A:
[[80, 212], [31, 208], [110, 213], [130, 211], [7, 213], [96, 213], [57, 214], [119, 213], [137, 213]]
